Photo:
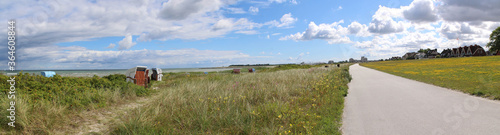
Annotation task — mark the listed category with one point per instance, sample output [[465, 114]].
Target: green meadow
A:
[[287, 99], [47, 105], [473, 75]]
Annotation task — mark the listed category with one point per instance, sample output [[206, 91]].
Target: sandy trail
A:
[[100, 120]]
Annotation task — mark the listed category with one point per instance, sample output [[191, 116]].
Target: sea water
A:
[[105, 72]]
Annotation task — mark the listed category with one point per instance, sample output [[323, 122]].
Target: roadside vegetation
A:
[[293, 101], [287, 99], [45, 105], [473, 75]]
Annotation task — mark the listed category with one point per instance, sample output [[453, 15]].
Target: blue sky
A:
[[110, 34]]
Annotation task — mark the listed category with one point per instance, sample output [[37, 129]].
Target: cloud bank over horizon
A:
[[58, 34]]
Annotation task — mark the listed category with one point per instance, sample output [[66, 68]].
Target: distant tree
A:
[[424, 50], [494, 43]]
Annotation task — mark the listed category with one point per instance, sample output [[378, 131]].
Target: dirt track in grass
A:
[[100, 120]]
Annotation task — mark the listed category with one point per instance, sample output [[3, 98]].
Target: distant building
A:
[[464, 51], [410, 55], [351, 60], [496, 52], [446, 53], [454, 52], [364, 59], [475, 50], [420, 55], [432, 54], [396, 58], [461, 52]]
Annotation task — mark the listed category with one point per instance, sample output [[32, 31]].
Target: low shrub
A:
[[71, 91]]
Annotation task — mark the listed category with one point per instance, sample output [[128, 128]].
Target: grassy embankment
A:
[[273, 101], [47, 105], [474, 75]]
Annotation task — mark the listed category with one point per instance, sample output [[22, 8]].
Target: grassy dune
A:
[[281, 100], [307, 101], [474, 75], [51, 105]]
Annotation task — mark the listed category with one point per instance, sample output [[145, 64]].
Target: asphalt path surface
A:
[[383, 104]]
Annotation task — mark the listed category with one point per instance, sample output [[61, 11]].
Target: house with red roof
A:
[[468, 51]]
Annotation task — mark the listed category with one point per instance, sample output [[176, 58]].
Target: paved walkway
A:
[[383, 104]]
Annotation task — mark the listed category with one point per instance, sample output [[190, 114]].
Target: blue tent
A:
[[48, 73], [251, 70]]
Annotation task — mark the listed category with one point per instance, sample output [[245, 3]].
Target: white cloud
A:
[[268, 37], [358, 29], [223, 24], [383, 21], [471, 21], [253, 9], [282, 1], [236, 10], [467, 33], [429, 31], [182, 9], [340, 8], [126, 43], [467, 10], [200, 31], [420, 11], [395, 31], [285, 21], [385, 46], [111, 46], [363, 44], [248, 32], [80, 57], [278, 1], [152, 20], [333, 33]]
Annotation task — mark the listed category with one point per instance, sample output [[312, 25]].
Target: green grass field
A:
[[46, 105], [306, 101], [289, 99], [474, 75]]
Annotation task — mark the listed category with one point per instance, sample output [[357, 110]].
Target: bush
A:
[[116, 77], [46, 104], [76, 92], [287, 67]]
